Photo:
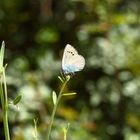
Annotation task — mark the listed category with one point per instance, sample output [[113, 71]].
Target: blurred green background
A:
[[106, 33]]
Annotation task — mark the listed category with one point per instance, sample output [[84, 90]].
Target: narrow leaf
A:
[[54, 97], [2, 54], [60, 79], [68, 78], [69, 94], [17, 100]]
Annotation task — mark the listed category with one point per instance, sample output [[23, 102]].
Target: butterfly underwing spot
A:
[[70, 52]]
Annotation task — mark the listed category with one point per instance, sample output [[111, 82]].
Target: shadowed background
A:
[[106, 33]]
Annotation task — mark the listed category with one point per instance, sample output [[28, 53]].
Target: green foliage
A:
[[17, 99], [106, 33], [3, 95], [2, 55], [54, 97]]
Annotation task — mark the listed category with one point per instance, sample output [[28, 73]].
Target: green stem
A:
[[54, 109], [4, 103], [65, 136], [66, 131], [5, 89], [35, 130]]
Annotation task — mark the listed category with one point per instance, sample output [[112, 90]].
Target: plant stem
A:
[[35, 130], [66, 131], [65, 135], [4, 103], [54, 109]]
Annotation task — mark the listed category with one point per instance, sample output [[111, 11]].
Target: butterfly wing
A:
[[78, 62], [68, 53], [72, 61]]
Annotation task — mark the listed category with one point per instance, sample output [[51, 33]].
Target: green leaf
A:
[[68, 78], [69, 94], [17, 99], [54, 97], [60, 79], [2, 54]]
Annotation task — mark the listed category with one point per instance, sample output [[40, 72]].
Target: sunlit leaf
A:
[[68, 77], [54, 97], [60, 78], [2, 55], [69, 94]]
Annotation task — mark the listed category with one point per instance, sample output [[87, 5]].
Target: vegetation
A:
[[106, 33]]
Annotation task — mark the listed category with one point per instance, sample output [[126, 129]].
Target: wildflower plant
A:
[[56, 100], [71, 63], [3, 93]]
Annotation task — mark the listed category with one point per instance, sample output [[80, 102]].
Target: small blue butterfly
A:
[[72, 61]]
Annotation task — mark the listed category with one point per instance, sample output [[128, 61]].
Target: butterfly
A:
[[72, 62]]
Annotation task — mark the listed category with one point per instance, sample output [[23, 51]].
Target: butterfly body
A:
[[72, 61]]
